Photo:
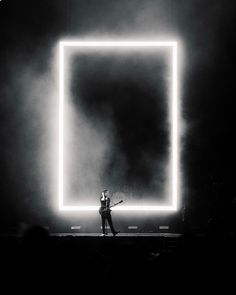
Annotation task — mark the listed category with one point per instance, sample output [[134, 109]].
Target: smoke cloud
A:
[[105, 150]]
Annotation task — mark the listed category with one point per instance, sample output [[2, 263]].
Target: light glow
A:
[[174, 122]]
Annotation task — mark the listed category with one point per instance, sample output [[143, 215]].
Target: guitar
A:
[[103, 210]]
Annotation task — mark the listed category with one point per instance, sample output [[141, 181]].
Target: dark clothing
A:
[[105, 213], [105, 204], [109, 219]]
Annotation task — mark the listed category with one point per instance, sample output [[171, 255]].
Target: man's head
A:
[[105, 192]]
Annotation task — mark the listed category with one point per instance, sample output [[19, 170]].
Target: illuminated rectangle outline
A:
[[174, 122]]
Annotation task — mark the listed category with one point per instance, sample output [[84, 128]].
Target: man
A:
[[105, 213]]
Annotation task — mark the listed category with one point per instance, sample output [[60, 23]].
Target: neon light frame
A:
[[174, 122]]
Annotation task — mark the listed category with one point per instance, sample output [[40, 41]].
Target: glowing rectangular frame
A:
[[174, 121]]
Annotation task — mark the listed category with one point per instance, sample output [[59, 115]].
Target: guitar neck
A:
[[115, 204]]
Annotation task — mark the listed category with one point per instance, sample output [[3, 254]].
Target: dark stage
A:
[[133, 99], [135, 262]]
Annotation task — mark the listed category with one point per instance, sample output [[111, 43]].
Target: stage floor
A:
[[166, 235]]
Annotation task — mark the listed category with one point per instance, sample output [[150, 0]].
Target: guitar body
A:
[[105, 211]]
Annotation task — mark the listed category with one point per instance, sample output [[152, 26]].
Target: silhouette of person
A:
[[105, 213]]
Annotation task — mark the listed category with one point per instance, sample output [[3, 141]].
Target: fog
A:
[[98, 154]]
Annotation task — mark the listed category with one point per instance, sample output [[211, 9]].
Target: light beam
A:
[[174, 121]]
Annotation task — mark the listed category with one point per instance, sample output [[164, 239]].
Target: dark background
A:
[[29, 32], [128, 93]]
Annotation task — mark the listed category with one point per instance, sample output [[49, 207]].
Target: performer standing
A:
[[105, 213]]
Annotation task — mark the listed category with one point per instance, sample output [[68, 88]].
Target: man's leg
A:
[[103, 224], [109, 219]]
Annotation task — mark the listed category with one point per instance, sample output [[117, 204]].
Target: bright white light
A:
[[61, 124], [121, 208], [174, 121]]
